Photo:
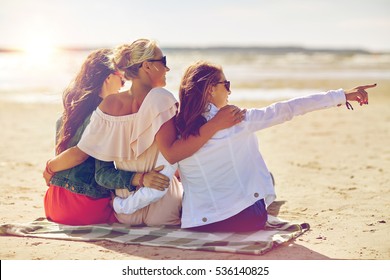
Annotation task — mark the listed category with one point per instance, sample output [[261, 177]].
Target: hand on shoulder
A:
[[228, 116]]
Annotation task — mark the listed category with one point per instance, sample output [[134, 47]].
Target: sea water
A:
[[255, 73]]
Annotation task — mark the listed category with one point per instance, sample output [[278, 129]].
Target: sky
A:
[[357, 24]]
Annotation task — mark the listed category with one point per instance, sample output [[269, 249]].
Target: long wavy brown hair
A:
[[82, 96], [193, 94]]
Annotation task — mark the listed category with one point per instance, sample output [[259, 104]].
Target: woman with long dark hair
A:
[[75, 196], [226, 183]]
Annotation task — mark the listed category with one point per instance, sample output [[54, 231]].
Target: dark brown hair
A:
[[193, 94], [81, 97]]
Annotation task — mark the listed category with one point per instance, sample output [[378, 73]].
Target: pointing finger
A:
[[367, 86]]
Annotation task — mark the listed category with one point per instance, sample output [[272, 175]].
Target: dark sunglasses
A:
[[163, 60], [226, 84]]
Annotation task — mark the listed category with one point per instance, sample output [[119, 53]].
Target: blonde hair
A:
[[129, 57]]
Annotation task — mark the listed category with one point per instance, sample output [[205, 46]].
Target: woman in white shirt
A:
[[131, 128], [227, 186]]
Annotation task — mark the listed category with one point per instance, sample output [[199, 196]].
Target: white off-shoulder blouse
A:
[[129, 141]]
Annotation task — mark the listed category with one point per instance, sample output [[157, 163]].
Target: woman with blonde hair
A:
[[133, 127], [75, 196]]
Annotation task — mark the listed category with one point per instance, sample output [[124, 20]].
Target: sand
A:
[[331, 169]]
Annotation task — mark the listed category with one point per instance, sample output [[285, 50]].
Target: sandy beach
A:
[[332, 170]]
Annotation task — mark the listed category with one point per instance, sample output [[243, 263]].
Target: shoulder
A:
[[161, 93], [161, 96], [116, 104]]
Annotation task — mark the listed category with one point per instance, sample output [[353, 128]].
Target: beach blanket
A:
[[277, 231]]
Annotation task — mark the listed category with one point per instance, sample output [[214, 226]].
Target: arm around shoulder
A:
[[174, 149], [108, 176]]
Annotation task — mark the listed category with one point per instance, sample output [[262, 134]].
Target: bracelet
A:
[[141, 180], [48, 170], [349, 106]]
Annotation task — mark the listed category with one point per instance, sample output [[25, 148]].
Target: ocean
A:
[[256, 73]]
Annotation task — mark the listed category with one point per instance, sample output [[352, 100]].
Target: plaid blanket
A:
[[276, 232]]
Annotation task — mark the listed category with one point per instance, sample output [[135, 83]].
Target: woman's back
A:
[[129, 140], [228, 167]]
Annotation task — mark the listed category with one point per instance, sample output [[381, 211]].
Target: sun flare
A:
[[39, 48]]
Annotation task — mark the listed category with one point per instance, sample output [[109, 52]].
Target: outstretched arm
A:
[[283, 111], [175, 149]]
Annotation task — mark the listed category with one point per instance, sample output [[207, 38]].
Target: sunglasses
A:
[[121, 76], [226, 84], [163, 60]]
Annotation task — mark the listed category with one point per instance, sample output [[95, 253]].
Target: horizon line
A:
[[264, 48]]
